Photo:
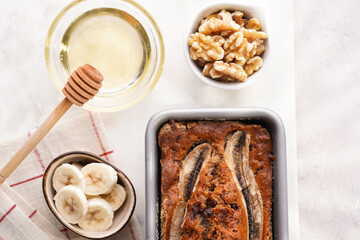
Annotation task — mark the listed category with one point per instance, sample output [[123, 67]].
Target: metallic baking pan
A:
[[264, 117]]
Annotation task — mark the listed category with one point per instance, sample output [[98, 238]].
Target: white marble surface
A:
[[328, 112], [27, 94]]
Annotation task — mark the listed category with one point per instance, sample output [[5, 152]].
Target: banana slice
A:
[[99, 216], [71, 203], [100, 178], [67, 174], [116, 197], [90, 196]]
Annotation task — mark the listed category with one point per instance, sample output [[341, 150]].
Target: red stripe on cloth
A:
[[132, 232], [27, 180], [97, 134], [106, 153], [7, 213], [65, 230], [31, 215], [38, 156]]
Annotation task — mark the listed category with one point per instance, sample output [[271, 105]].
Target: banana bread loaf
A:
[[216, 180]]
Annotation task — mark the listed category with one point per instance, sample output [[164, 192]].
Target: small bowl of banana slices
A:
[[89, 195]]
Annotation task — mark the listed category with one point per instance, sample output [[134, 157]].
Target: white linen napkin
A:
[[24, 213]]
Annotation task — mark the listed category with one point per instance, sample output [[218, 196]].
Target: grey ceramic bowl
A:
[[121, 216]]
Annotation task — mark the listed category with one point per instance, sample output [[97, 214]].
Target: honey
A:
[[112, 41]]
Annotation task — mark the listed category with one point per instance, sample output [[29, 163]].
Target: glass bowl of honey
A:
[[119, 38]]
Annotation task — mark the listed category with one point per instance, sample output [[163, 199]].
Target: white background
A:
[[328, 113], [327, 94]]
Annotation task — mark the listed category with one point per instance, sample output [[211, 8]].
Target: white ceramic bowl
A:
[[250, 10], [121, 216]]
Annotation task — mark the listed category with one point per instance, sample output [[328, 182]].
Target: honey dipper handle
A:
[[35, 138]]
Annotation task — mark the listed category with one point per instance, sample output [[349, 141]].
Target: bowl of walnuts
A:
[[226, 44]]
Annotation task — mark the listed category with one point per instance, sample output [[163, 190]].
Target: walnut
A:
[[252, 34], [252, 65], [253, 23], [238, 48], [227, 79], [231, 70], [204, 47], [201, 63], [206, 69], [216, 25], [215, 15], [260, 48], [225, 15], [226, 34], [240, 62], [209, 71], [238, 18], [215, 74], [219, 39], [234, 41]]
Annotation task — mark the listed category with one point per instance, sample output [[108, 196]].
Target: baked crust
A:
[[226, 218]]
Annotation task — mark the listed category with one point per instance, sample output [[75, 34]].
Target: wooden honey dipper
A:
[[82, 85]]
